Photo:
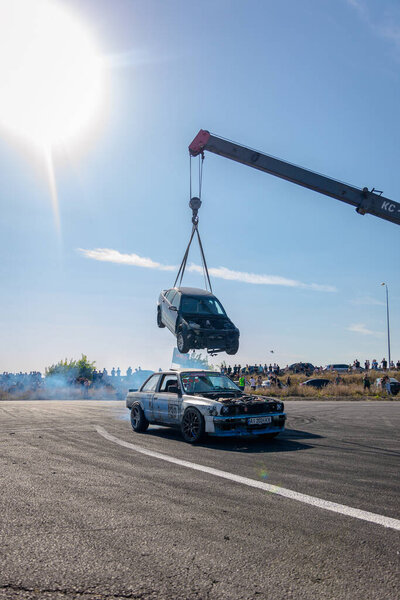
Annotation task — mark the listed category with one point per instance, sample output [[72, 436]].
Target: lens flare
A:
[[50, 72], [51, 79]]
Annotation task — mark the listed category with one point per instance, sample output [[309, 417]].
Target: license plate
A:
[[259, 420]]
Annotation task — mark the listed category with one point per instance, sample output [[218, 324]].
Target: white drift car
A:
[[203, 402]]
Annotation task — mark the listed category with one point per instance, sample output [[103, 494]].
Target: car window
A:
[[167, 382], [151, 384], [169, 295], [176, 300], [201, 306]]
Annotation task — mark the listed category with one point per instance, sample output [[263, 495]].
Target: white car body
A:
[[239, 415]]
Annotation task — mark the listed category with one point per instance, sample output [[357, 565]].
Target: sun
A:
[[51, 76]]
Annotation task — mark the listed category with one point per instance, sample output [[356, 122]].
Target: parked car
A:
[[302, 367], [198, 320], [394, 385], [317, 383], [203, 402], [339, 368]]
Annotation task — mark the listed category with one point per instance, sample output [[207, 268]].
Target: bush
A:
[[71, 370]]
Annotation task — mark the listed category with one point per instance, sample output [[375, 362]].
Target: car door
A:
[[147, 395], [167, 401], [174, 310], [166, 310]]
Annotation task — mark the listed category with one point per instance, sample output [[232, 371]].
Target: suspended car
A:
[[198, 320]]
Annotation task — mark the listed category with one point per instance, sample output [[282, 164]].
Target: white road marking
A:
[[266, 487]]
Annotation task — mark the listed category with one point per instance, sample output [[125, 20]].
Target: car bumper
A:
[[214, 339], [242, 427]]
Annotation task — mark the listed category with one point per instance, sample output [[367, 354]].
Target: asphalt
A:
[[83, 517]]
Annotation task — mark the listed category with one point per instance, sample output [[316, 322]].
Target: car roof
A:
[[182, 371], [189, 291]]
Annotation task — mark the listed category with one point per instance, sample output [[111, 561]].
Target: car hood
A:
[[208, 321]]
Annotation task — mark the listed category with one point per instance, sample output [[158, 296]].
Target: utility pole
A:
[[387, 321]]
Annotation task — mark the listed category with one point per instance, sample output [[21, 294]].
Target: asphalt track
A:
[[85, 517]]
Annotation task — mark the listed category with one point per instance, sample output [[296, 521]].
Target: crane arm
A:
[[364, 200]]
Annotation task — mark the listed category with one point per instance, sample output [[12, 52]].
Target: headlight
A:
[[224, 410], [213, 411], [279, 406]]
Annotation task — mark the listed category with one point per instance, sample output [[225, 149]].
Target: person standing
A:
[[366, 382], [252, 383], [384, 364], [242, 382]]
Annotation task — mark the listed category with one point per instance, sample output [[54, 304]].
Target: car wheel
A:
[[192, 426], [159, 321], [182, 343], [233, 348], [138, 420]]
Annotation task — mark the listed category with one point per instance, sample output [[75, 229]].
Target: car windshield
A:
[[207, 382], [201, 306]]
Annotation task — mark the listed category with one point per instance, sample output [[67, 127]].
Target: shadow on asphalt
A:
[[285, 442]]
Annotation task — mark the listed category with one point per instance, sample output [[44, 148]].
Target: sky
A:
[[92, 230]]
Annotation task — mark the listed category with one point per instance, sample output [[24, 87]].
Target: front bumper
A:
[[240, 425], [215, 339]]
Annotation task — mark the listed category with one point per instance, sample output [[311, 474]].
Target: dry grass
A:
[[351, 387]]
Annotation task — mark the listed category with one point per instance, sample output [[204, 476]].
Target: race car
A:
[[203, 402], [198, 320]]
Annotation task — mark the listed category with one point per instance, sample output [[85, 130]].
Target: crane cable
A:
[[195, 203]]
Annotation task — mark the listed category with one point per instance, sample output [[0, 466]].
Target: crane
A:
[[365, 200]]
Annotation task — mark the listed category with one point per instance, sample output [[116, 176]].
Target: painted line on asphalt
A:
[[266, 487]]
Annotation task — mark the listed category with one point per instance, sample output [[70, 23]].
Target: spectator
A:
[[384, 364], [242, 382], [366, 382], [252, 383]]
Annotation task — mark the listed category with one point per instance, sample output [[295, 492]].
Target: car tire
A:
[[138, 420], [233, 348], [182, 343], [159, 321], [192, 426]]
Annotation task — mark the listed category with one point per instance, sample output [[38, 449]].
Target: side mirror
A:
[[173, 389], [173, 308]]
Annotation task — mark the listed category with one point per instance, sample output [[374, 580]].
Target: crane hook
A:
[[195, 204]]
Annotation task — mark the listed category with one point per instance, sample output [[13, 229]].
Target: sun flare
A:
[[51, 78]]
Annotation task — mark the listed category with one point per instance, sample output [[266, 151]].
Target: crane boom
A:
[[365, 201]]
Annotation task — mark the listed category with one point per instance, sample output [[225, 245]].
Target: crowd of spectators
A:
[[15, 382], [307, 368], [99, 380]]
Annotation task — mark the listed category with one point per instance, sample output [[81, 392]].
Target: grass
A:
[[351, 387]]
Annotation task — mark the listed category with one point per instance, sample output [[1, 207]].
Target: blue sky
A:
[[314, 82]]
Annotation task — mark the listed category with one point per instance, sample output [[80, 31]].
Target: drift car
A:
[[203, 402], [198, 320]]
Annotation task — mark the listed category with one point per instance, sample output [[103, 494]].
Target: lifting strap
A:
[[195, 204], [195, 230]]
